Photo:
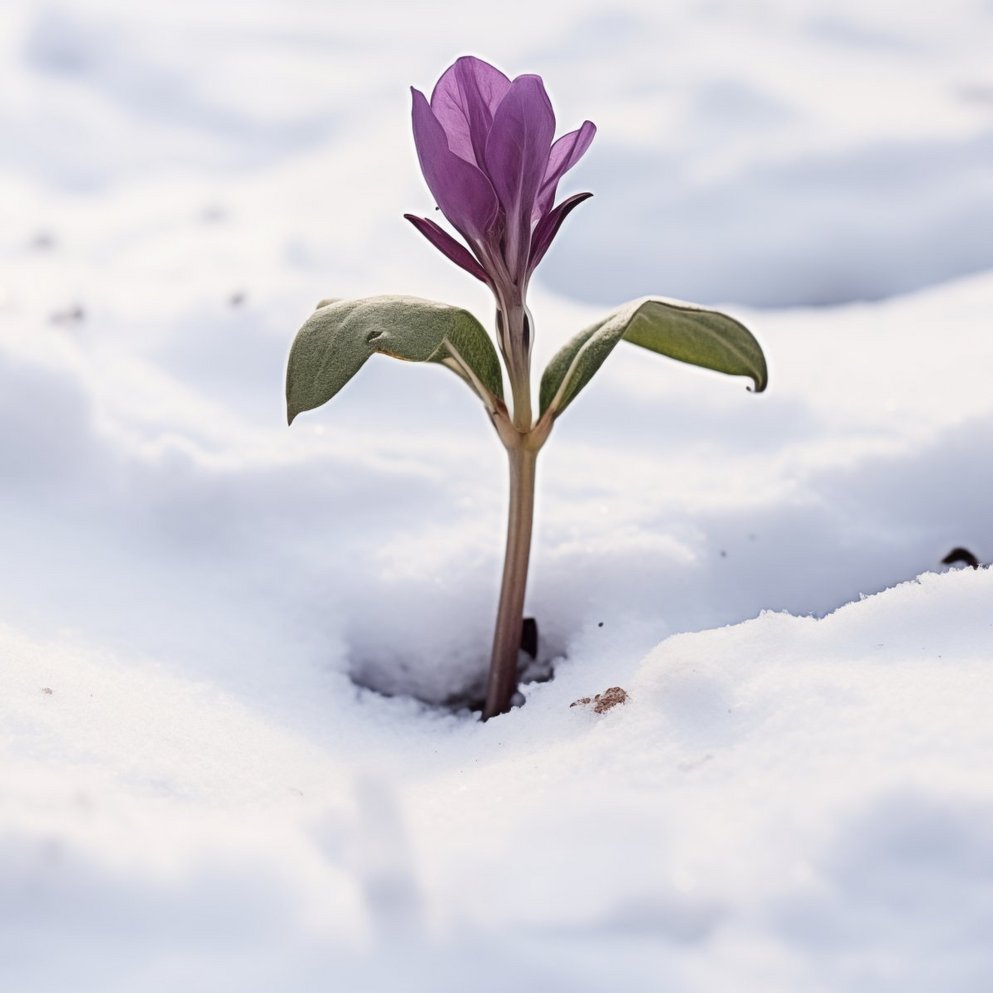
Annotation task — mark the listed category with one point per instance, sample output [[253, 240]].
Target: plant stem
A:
[[514, 335], [502, 684]]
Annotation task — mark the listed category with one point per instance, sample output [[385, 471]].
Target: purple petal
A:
[[548, 227], [464, 101], [463, 193], [517, 151], [445, 243], [566, 152]]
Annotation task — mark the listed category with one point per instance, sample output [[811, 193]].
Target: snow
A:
[[194, 791]]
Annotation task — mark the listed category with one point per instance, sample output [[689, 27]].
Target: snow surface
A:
[[195, 793]]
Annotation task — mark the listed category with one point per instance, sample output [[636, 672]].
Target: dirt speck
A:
[[602, 702]]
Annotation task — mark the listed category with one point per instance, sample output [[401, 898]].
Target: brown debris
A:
[[602, 702]]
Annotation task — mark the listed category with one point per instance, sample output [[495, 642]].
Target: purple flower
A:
[[486, 150]]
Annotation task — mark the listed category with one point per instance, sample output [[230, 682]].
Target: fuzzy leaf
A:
[[681, 331], [340, 336]]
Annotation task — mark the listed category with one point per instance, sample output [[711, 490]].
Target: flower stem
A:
[[502, 683], [514, 335]]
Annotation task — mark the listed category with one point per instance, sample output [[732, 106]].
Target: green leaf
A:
[[681, 331], [341, 335]]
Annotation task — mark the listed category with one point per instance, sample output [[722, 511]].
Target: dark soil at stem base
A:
[[533, 666]]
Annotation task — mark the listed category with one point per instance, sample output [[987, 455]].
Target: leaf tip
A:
[[760, 383]]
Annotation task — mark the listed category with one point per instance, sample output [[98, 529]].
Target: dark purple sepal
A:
[[448, 246], [548, 227]]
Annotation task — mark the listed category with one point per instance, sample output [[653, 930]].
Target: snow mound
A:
[[784, 801]]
